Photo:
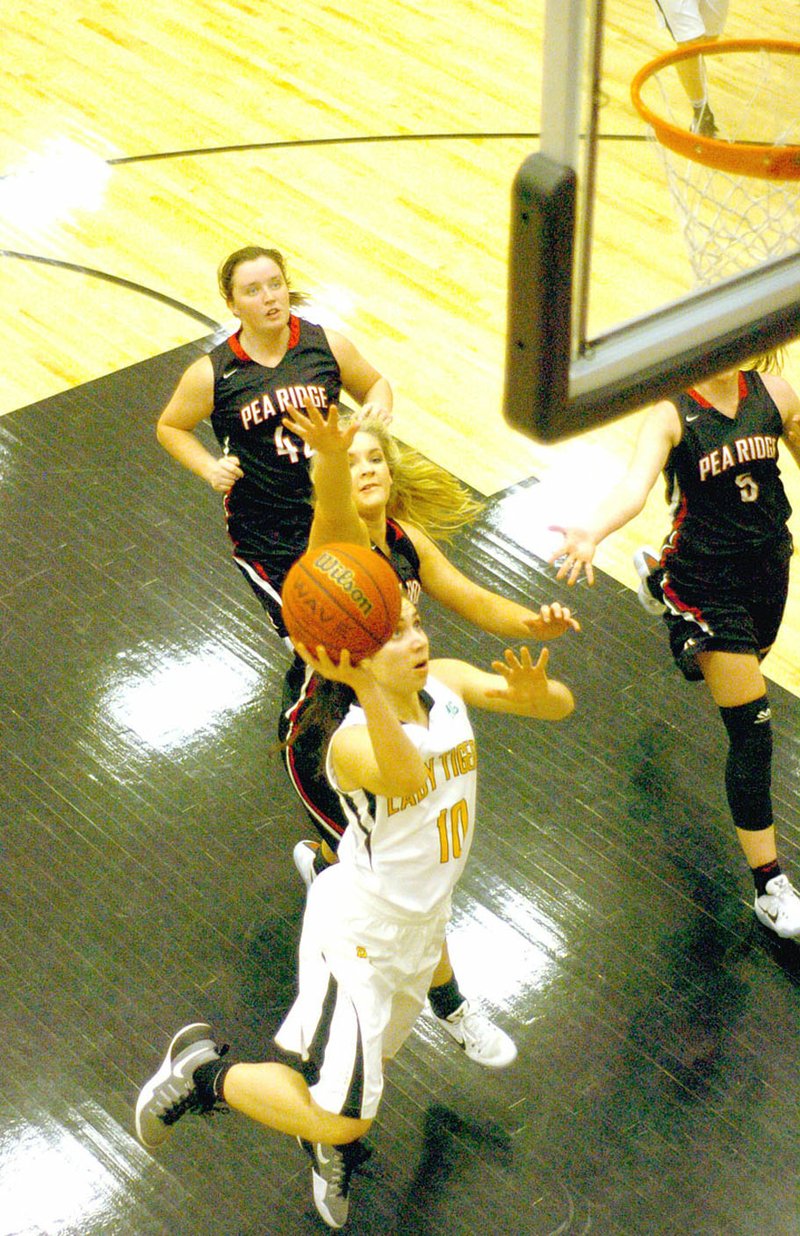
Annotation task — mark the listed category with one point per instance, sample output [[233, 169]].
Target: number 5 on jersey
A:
[[748, 487]]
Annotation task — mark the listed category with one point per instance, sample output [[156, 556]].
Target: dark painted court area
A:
[[147, 830]]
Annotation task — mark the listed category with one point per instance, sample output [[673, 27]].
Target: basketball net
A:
[[736, 193]]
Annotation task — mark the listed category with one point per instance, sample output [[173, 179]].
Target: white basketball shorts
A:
[[693, 19], [363, 979]]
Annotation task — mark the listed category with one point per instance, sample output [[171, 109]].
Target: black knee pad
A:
[[748, 772]]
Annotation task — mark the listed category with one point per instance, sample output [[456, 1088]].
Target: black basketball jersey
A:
[[404, 558], [723, 481], [268, 509]]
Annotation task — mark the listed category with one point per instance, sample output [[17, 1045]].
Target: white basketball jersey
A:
[[410, 852]]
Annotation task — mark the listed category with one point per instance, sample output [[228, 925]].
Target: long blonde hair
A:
[[771, 361], [422, 493], [768, 362]]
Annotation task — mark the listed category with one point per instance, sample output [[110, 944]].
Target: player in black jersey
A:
[[359, 475], [721, 579], [274, 362]]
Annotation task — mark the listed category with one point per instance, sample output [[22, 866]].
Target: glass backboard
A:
[[570, 363]]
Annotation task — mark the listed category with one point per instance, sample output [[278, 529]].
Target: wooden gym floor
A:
[[147, 826], [604, 917]]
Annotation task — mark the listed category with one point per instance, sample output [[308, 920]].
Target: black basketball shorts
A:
[[738, 609]]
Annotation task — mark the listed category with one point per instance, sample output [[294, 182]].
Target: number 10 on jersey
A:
[[453, 824]]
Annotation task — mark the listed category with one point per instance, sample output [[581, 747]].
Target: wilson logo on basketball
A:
[[344, 579], [341, 596]]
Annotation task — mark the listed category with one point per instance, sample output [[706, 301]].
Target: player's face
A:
[[369, 471], [402, 663], [260, 295]]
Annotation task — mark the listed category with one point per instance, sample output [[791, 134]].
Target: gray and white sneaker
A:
[[481, 1039], [779, 908], [332, 1167], [646, 561], [171, 1092]]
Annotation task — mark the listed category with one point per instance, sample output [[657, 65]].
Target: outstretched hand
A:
[[525, 683], [577, 551], [327, 436], [551, 621]]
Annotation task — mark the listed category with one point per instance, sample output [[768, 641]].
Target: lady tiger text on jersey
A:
[[454, 763]]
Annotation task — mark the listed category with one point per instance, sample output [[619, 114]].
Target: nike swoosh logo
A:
[[689, 419], [228, 372]]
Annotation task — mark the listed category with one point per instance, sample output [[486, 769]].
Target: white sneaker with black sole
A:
[[779, 908], [480, 1038]]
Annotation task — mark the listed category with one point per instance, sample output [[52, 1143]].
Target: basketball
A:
[[341, 596]]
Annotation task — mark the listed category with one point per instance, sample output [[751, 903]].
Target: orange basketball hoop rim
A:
[[766, 162]]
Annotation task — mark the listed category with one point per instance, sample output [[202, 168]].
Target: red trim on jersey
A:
[[671, 546], [333, 826], [295, 771], [235, 344], [705, 403], [260, 571], [236, 347]]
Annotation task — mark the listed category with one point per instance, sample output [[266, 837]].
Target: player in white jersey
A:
[[368, 492], [404, 759], [397, 856]]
